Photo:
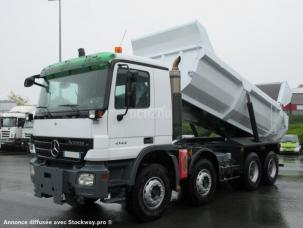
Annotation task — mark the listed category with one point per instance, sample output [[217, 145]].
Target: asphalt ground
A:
[[280, 205]]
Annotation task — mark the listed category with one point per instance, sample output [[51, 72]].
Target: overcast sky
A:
[[260, 39]]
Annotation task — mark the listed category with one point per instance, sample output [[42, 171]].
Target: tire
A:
[[195, 190], [151, 194], [270, 168], [252, 172], [75, 203]]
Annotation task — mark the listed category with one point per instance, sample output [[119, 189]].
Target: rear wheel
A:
[[252, 172], [151, 194], [270, 168], [201, 184]]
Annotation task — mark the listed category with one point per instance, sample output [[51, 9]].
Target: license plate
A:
[[71, 154]]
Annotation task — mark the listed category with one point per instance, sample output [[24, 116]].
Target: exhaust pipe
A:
[[175, 83], [176, 63]]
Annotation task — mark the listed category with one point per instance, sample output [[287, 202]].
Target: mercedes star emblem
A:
[[55, 150]]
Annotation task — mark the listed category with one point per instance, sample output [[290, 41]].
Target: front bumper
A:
[[290, 150], [56, 182], [10, 141]]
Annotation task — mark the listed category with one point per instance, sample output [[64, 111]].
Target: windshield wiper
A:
[[72, 106], [46, 108]]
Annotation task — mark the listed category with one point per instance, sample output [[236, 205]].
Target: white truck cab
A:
[[72, 99], [12, 126]]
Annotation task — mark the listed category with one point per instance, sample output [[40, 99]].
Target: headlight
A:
[[86, 179], [32, 170], [298, 147], [297, 144], [32, 149]]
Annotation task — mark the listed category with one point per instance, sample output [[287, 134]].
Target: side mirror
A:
[[28, 82], [130, 92], [29, 117], [20, 122], [127, 94]]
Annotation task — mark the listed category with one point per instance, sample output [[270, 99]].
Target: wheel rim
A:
[[272, 168], [153, 193], [253, 171], [203, 182]]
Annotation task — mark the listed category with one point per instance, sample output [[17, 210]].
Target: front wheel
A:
[[151, 194], [201, 184], [270, 168]]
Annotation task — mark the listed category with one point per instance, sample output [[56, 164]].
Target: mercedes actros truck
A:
[[109, 126]]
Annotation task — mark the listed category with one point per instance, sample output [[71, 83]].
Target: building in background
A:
[[271, 89], [6, 105], [278, 91], [296, 105]]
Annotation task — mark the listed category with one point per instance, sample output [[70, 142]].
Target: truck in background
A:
[[16, 129], [6, 105], [109, 126], [27, 131]]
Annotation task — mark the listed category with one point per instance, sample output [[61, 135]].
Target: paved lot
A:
[[275, 206]]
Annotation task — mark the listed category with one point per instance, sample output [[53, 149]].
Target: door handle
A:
[[148, 140]]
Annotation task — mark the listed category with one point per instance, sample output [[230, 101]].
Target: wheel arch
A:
[[165, 155], [262, 151], [204, 153]]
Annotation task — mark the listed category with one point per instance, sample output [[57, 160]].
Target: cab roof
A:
[[91, 62], [78, 65]]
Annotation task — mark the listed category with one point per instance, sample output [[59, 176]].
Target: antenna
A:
[[118, 49], [123, 37]]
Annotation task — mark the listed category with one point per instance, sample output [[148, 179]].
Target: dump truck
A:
[[109, 126], [12, 132]]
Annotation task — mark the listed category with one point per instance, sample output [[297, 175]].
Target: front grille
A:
[[5, 134], [43, 147], [27, 135]]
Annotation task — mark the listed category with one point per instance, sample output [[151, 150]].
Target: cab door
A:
[[129, 135]]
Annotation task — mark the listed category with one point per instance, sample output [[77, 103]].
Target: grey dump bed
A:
[[214, 95]]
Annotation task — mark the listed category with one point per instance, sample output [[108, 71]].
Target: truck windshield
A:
[[28, 124], [82, 91], [9, 122]]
